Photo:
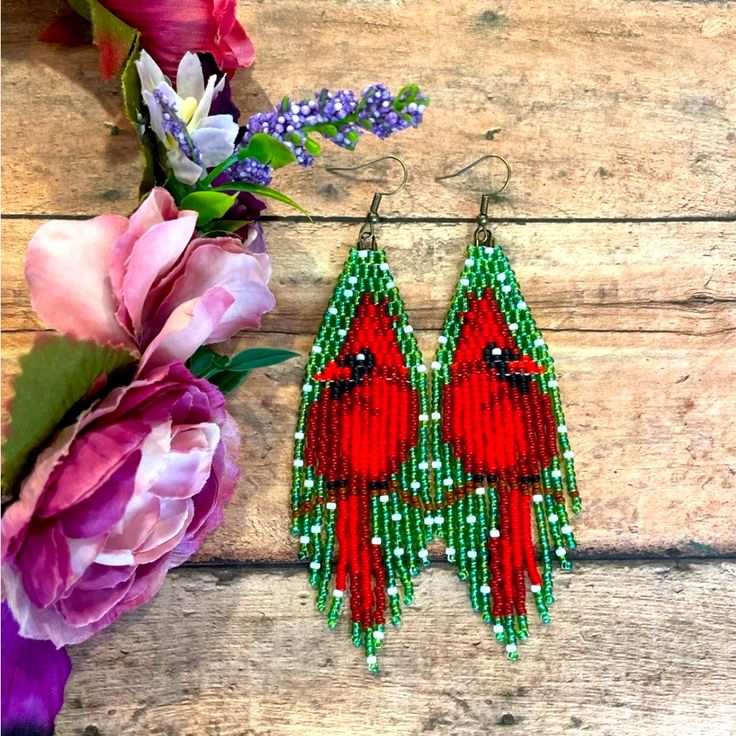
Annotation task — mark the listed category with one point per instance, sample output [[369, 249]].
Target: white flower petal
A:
[[189, 77], [203, 108], [149, 72], [215, 144], [186, 171]]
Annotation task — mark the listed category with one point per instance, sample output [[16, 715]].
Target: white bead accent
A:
[[363, 253], [501, 276], [497, 628], [383, 498], [447, 482], [342, 332], [442, 340], [376, 540], [553, 518], [521, 305], [348, 293], [399, 551], [416, 485], [538, 342], [371, 659], [337, 593], [315, 565], [488, 249], [436, 365], [556, 473], [307, 387], [566, 529], [298, 435], [424, 417], [450, 551], [436, 464], [309, 483], [352, 280], [330, 505], [422, 553], [472, 554], [439, 520], [480, 491], [465, 282], [436, 415], [568, 454], [485, 589], [552, 383], [396, 516], [424, 465], [304, 539], [560, 552], [421, 368], [537, 498], [495, 533], [316, 349], [332, 310], [315, 528], [513, 326], [511, 648], [298, 463], [535, 588], [392, 590], [408, 329], [390, 284], [471, 519], [562, 429], [496, 351], [384, 267], [469, 262], [428, 520], [380, 635], [506, 288]]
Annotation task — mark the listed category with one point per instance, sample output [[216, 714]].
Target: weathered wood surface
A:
[[633, 650], [604, 108]]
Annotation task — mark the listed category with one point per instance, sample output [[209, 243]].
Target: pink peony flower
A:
[[127, 492], [170, 28], [144, 283]]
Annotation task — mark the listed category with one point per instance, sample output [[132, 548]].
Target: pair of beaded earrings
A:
[[386, 460]]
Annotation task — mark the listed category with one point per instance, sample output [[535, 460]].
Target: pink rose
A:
[[144, 283], [170, 28], [117, 499]]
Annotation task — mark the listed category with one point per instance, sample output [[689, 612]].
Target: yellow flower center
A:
[[187, 109]]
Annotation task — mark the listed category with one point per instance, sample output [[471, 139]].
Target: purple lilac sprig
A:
[[341, 117]]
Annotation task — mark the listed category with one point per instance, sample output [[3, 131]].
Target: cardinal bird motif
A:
[[360, 487], [503, 446]]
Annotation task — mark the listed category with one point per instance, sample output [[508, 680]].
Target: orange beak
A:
[[525, 365], [334, 372]]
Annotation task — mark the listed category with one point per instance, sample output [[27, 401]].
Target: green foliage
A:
[[244, 186], [55, 376], [267, 150], [210, 205], [228, 373]]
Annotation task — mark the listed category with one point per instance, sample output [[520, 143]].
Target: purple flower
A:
[[127, 492], [249, 170], [34, 674]]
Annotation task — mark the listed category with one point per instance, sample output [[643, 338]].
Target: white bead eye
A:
[[521, 305], [472, 554], [363, 253], [298, 463], [501, 276], [469, 262], [422, 554], [436, 365], [360, 357], [465, 282], [396, 516], [442, 340], [495, 533], [496, 351], [450, 551], [408, 329], [315, 529], [497, 628], [332, 310], [315, 565], [384, 267], [383, 498]]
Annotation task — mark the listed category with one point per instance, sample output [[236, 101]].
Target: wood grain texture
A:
[[604, 107], [633, 650], [648, 421]]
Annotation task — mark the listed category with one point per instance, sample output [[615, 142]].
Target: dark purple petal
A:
[[34, 674], [222, 104]]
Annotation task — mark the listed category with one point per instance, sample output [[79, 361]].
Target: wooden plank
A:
[[604, 107], [648, 417], [674, 277], [259, 660]]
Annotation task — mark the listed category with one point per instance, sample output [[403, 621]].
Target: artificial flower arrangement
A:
[[119, 454]]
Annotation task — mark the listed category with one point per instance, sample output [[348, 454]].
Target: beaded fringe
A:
[[492, 429]]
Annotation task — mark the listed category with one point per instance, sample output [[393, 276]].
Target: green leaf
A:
[[114, 38], [209, 204], [268, 150], [244, 186], [228, 381], [177, 190], [55, 375], [312, 146], [223, 226], [206, 362], [81, 7], [131, 84], [259, 358]]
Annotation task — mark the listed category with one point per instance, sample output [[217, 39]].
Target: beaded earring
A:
[[501, 453], [360, 492]]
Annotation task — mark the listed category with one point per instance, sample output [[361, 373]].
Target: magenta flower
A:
[[34, 676], [170, 28], [145, 283], [127, 492]]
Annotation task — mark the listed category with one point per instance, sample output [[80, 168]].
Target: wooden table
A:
[[619, 118]]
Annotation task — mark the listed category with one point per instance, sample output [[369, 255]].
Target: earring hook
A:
[[482, 235], [367, 231]]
